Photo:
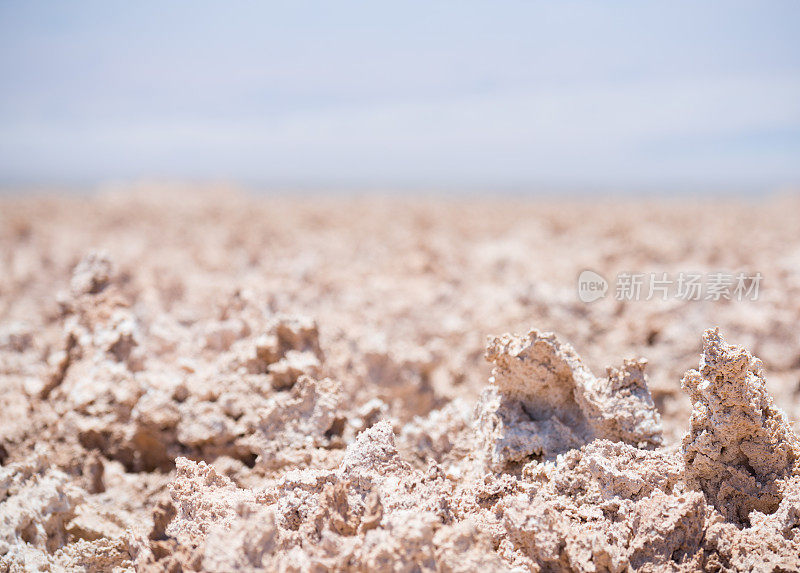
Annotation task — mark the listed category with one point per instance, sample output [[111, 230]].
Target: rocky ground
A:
[[198, 380]]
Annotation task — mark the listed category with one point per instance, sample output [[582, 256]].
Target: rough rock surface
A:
[[217, 383], [545, 401], [740, 450]]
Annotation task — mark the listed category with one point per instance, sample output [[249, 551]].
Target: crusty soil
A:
[[203, 380]]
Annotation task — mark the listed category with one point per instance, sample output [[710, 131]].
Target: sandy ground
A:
[[201, 380]]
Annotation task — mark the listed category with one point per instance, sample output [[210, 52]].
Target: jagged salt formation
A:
[[373, 513], [603, 505], [740, 449], [35, 503], [543, 401]]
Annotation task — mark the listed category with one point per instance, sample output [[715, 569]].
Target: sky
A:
[[437, 94]]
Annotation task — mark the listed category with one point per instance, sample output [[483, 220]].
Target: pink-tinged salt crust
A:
[[202, 381]]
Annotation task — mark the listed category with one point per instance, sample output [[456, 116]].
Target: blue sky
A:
[[629, 95]]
